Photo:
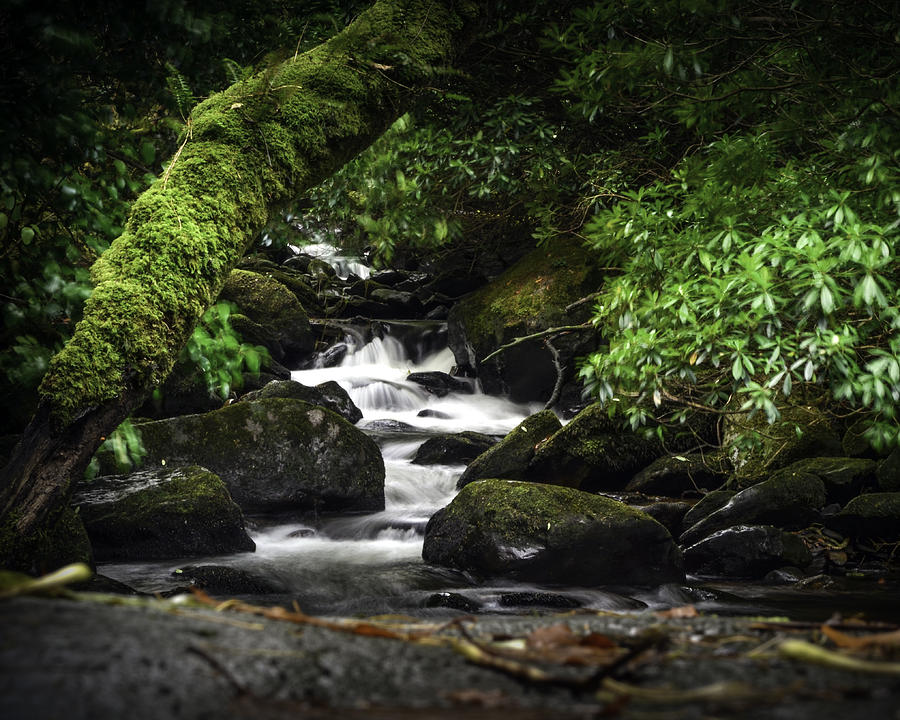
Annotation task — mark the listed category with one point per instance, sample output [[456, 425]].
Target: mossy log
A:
[[245, 153]]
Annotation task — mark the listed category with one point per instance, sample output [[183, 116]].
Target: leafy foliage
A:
[[766, 260], [216, 349]]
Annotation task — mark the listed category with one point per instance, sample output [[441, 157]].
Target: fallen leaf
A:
[[685, 611]]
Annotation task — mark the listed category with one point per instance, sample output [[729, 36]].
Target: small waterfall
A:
[[343, 265]]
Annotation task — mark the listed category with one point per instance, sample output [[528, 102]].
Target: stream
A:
[[370, 563]]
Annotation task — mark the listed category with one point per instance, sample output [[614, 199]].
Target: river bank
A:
[[89, 657]]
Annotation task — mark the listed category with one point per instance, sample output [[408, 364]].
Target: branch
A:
[[535, 336]]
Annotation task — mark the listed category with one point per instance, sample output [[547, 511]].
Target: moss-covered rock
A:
[[62, 541], [549, 534], [531, 296], [592, 453], [275, 454], [844, 477], [746, 552], [801, 432], [157, 514], [270, 304], [509, 458], [678, 475], [788, 499], [455, 449], [873, 516], [888, 473], [328, 394]]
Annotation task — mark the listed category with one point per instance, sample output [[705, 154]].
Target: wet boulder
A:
[[668, 514], [441, 383], [706, 505], [509, 458], [788, 500], [274, 454], [591, 453], [746, 552], [874, 516], [271, 305], [678, 475], [549, 534], [455, 449], [328, 394], [801, 432], [226, 580], [162, 513], [451, 601]]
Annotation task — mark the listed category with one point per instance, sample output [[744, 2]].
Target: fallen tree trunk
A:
[[246, 152]]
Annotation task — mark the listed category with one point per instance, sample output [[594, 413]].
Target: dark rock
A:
[[679, 475], [591, 454], [362, 288], [320, 269], [428, 412], [873, 516], [788, 500], [165, 513], [103, 584], [392, 278], [436, 309], [668, 514], [440, 383], [453, 601], [456, 449], [328, 394], [746, 552], [302, 533], [270, 304], [333, 356], [401, 304], [456, 283], [274, 454], [538, 600], [549, 534], [888, 473], [854, 443], [509, 458], [844, 478], [707, 505], [779, 444], [225, 580], [785, 576], [389, 425]]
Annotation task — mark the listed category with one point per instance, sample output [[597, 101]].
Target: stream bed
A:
[[371, 563]]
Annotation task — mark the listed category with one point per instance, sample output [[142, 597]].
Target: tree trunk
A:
[[246, 152]]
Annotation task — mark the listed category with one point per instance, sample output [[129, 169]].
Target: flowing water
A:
[[371, 563]]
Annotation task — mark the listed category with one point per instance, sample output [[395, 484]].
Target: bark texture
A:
[[246, 152]]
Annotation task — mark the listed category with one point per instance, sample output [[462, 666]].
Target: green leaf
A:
[[827, 300]]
